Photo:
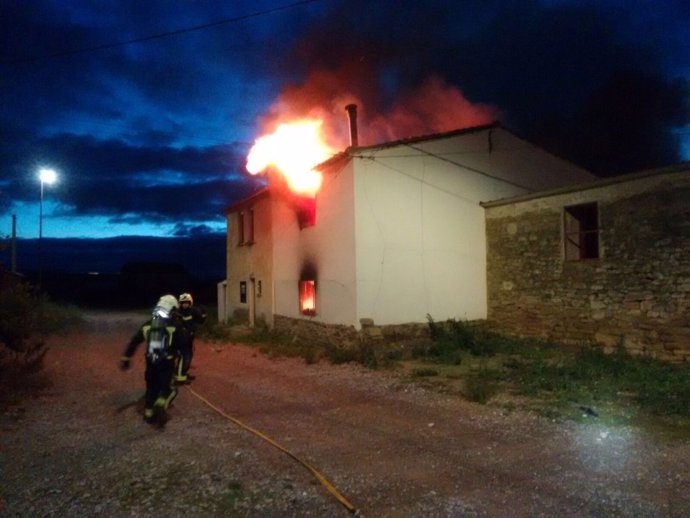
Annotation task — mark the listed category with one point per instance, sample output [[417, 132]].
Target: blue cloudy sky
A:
[[147, 110]]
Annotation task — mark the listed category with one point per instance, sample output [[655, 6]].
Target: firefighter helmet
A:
[[187, 297], [165, 306]]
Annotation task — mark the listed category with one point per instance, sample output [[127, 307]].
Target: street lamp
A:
[[47, 176]]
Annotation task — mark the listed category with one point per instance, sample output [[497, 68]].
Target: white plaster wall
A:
[[498, 154], [328, 246], [251, 260], [421, 244]]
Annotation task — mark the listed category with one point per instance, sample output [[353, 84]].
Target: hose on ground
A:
[[322, 480]]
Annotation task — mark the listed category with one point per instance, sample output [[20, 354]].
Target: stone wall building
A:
[[605, 262]]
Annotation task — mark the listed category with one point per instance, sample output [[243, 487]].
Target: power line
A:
[[465, 166], [166, 34]]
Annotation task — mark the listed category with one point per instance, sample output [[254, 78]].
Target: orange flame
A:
[[294, 149], [307, 297]]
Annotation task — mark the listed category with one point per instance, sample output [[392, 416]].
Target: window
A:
[[307, 297], [306, 212], [243, 292], [240, 228], [245, 227], [581, 232]]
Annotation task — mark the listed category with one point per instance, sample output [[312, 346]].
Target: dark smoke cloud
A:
[[567, 76]]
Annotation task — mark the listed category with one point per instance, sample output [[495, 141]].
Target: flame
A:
[[307, 297], [294, 149]]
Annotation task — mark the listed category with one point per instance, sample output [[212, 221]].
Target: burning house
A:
[[388, 233]]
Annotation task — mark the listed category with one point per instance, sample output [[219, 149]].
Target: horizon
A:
[[201, 256]]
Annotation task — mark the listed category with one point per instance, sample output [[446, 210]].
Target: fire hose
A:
[[322, 480]]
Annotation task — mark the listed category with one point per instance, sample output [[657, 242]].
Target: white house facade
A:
[[395, 233]]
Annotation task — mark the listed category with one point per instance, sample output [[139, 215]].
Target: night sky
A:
[[147, 109]]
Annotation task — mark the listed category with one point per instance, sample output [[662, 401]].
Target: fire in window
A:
[[581, 231], [306, 212], [307, 297]]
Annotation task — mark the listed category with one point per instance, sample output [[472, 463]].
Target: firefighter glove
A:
[[124, 364]]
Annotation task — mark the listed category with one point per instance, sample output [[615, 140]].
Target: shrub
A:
[[24, 317], [481, 385], [19, 316], [453, 337]]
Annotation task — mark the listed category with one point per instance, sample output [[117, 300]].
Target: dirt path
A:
[[82, 449]]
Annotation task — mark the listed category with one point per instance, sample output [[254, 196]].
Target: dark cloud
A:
[[548, 69], [182, 229], [158, 131], [113, 178]]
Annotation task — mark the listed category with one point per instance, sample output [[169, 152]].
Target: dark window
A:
[[243, 292], [581, 231], [245, 227], [307, 297], [240, 228]]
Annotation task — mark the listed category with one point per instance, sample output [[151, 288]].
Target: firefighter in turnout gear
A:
[[190, 317], [159, 334]]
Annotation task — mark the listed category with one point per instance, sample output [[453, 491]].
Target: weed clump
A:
[[481, 384], [452, 338], [488, 363], [26, 316]]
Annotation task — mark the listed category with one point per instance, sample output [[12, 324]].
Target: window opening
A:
[[306, 212], [307, 297], [581, 232], [240, 228]]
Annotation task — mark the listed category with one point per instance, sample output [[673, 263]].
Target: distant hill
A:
[[202, 256], [123, 272]]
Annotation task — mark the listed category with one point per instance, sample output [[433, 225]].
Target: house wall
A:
[[636, 294], [325, 250], [251, 263], [420, 228]]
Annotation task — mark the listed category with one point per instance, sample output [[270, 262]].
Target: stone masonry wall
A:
[[636, 294], [318, 333], [347, 337]]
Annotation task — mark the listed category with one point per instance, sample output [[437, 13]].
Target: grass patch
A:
[[579, 383], [424, 372], [470, 359], [481, 384], [231, 496]]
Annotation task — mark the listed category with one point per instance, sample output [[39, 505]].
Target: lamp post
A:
[[47, 176]]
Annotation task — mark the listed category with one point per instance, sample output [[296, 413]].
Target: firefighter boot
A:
[[159, 415]]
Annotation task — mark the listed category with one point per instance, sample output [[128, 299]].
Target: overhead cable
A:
[[166, 34], [464, 166]]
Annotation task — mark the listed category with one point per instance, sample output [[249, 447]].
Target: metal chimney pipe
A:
[[351, 110]]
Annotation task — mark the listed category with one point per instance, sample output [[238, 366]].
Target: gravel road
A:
[[390, 449]]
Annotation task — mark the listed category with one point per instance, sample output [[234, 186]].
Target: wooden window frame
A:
[[581, 232]]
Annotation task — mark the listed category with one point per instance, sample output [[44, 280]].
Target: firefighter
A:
[[159, 334], [191, 317]]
